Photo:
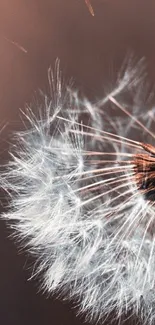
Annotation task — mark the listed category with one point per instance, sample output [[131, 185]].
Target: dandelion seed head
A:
[[82, 190]]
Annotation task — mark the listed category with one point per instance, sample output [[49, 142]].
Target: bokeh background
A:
[[33, 33]]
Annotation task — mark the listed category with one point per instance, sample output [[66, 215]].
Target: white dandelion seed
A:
[[82, 191]]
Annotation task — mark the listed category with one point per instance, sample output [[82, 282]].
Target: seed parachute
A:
[[81, 182]]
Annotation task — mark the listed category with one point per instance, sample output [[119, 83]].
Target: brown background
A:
[[91, 50]]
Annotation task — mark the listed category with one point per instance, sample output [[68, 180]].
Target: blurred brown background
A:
[[33, 33]]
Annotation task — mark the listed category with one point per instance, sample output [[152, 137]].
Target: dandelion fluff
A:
[[81, 181]]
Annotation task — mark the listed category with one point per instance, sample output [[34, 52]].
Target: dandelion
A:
[[81, 181]]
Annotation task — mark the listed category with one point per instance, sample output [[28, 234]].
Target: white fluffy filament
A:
[[76, 205]]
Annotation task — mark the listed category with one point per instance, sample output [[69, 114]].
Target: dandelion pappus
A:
[[81, 183]]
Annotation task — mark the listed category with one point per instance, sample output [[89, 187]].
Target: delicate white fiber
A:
[[76, 202]]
